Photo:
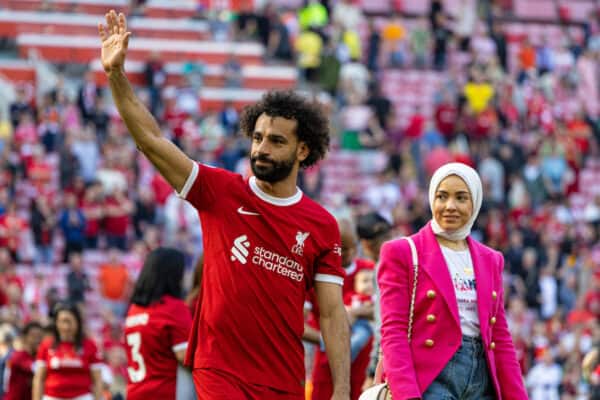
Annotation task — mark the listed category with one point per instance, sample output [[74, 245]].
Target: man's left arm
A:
[[335, 330]]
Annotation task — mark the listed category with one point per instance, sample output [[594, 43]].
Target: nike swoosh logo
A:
[[244, 212]]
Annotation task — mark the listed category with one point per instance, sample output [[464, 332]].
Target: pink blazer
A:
[[436, 335]]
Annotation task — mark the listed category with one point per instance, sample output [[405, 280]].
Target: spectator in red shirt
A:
[[68, 364], [19, 371], [416, 125], [11, 228], [118, 215], [446, 114], [93, 210]]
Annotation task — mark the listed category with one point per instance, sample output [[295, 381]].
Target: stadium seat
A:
[[96, 7], [83, 49], [253, 76], [17, 71], [13, 23]]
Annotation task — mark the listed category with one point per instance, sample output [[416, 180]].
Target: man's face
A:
[[34, 338], [275, 150]]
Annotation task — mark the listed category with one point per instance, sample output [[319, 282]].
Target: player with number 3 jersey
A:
[[157, 327]]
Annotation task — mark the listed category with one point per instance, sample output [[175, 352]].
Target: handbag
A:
[[382, 391]]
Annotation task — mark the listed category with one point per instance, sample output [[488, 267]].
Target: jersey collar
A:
[[277, 201]]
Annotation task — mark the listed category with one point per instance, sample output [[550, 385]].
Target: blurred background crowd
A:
[[510, 87]]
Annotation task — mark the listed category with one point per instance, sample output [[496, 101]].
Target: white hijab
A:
[[471, 178]]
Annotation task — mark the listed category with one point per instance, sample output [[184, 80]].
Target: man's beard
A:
[[275, 172]]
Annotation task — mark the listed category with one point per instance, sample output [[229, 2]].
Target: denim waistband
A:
[[472, 339], [473, 345]]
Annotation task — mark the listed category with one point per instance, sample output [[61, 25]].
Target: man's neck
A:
[[282, 189]]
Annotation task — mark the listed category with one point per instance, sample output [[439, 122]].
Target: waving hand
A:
[[115, 40]]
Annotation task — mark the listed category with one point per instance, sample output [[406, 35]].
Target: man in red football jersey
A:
[[19, 371], [157, 327], [266, 244]]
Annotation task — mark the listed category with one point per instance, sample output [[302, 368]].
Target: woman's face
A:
[[66, 324], [453, 204]]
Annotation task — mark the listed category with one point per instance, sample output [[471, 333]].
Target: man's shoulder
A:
[[317, 213], [218, 171]]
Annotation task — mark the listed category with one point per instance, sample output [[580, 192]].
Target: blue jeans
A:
[[360, 335], [465, 377]]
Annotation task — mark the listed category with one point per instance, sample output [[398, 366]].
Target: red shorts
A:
[[214, 384]]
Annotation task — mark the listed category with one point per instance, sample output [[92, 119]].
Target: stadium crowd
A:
[[78, 200]]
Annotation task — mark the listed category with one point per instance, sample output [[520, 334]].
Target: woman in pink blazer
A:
[[460, 346]]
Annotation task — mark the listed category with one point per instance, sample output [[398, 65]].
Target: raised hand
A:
[[115, 40]]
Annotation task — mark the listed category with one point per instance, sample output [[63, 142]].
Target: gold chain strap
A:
[[414, 288]]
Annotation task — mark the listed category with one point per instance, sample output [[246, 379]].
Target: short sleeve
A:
[[94, 357], [179, 329], [42, 353], [329, 265], [205, 185]]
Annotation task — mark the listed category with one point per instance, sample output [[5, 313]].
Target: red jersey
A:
[[12, 226], [116, 224], [19, 376], [153, 334], [446, 115], [261, 256], [68, 370]]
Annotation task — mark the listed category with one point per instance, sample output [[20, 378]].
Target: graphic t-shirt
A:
[[153, 334], [462, 273], [262, 255], [68, 369]]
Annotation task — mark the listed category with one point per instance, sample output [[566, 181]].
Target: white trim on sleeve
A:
[[189, 182], [330, 279], [179, 346], [38, 364]]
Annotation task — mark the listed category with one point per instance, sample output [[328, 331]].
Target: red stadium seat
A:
[[96, 7], [13, 23], [214, 99], [17, 71], [253, 76], [171, 8], [83, 49]]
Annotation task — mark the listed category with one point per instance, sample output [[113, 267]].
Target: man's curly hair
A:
[[312, 126]]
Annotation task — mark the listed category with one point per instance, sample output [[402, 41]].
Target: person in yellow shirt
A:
[[313, 15], [309, 46], [478, 92]]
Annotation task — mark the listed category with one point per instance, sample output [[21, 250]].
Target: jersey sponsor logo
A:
[[135, 320], [282, 265], [239, 250], [298, 248], [244, 212], [267, 259], [56, 363]]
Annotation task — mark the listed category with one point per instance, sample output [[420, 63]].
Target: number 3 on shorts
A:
[[134, 340]]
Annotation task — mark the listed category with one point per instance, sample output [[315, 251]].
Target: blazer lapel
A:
[[434, 264], [482, 282]]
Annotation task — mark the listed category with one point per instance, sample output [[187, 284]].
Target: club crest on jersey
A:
[[239, 251], [298, 248], [337, 249]]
